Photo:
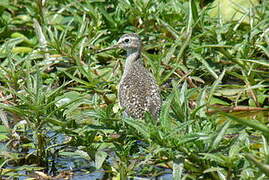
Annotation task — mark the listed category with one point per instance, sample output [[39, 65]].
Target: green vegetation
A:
[[59, 97]]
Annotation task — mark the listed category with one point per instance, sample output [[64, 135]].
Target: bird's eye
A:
[[126, 40]]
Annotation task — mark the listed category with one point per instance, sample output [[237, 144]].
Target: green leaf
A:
[[263, 167], [139, 126], [164, 116], [249, 122], [194, 11], [100, 157], [207, 66], [233, 10], [219, 136], [215, 85]]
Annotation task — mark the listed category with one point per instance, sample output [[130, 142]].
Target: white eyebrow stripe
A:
[[132, 38]]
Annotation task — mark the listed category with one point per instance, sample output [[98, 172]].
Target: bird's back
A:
[[139, 93]]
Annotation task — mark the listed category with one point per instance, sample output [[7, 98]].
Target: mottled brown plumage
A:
[[138, 90]]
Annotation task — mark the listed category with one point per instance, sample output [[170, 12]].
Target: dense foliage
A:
[[59, 109]]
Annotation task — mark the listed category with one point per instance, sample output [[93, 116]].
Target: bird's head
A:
[[130, 42]]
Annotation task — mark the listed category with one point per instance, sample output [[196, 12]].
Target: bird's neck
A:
[[133, 57]]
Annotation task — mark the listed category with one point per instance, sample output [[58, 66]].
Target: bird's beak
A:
[[109, 48]]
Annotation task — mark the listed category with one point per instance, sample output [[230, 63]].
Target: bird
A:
[[138, 90]]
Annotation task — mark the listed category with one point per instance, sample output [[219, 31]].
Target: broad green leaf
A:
[[233, 10], [100, 157]]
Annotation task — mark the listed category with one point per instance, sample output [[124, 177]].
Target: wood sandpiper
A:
[[138, 91]]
